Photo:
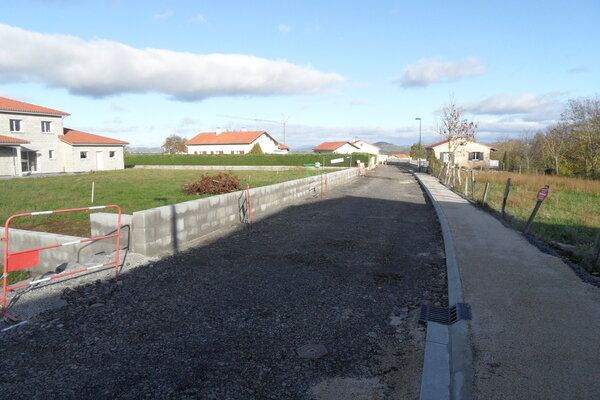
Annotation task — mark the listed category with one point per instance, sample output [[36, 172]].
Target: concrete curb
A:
[[448, 362]]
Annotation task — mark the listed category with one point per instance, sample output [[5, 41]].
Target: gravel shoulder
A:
[[229, 320]]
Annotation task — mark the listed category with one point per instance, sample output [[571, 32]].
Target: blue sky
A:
[[142, 70]]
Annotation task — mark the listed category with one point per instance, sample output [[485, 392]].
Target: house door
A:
[[99, 161], [29, 161]]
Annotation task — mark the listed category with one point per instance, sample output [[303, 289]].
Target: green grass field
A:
[[132, 189], [570, 215]]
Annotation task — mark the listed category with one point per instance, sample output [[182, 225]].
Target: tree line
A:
[[570, 146]]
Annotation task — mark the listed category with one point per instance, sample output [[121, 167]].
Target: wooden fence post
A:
[[473, 184], [485, 192], [506, 192], [541, 196], [466, 191]]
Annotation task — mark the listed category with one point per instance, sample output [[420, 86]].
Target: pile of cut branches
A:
[[215, 184]]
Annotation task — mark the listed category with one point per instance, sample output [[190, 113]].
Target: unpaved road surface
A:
[[226, 321]]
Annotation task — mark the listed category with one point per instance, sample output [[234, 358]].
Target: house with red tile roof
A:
[[234, 142], [335, 147], [468, 154], [34, 141]]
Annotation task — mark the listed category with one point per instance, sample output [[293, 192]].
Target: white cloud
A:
[[198, 18], [99, 68], [544, 106], [285, 29], [164, 15], [427, 71]]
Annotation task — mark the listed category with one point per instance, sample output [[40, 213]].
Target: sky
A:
[[332, 70]]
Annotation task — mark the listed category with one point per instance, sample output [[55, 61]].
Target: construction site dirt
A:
[[319, 301]]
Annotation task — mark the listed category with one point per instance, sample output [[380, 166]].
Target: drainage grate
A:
[[445, 315]]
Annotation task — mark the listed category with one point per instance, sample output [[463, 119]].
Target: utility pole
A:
[[419, 162]]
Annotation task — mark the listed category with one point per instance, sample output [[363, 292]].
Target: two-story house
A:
[[468, 154], [33, 140]]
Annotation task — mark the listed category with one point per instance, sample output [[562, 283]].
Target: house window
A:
[[203, 152], [46, 127], [112, 154], [474, 155], [232, 152], [220, 152], [52, 154], [212, 152], [242, 152], [83, 154], [15, 125]]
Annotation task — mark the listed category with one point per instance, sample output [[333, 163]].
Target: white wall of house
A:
[[267, 145], [366, 147], [39, 142], [97, 158], [463, 154], [10, 160]]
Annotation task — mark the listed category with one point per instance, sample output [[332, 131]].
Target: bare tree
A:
[[582, 118], [174, 144], [454, 128], [555, 144]]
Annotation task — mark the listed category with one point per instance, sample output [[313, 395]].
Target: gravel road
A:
[[339, 281]]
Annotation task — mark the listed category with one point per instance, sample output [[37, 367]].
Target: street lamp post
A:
[[419, 161]]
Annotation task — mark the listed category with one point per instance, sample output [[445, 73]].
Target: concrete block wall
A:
[[169, 229], [50, 259]]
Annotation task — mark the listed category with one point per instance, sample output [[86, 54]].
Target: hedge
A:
[[245, 159]]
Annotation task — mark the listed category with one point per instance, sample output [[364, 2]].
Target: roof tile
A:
[[19, 106], [331, 145], [242, 137], [8, 139], [72, 136]]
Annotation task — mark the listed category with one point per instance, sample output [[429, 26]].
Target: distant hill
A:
[[145, 150], [389, 148]]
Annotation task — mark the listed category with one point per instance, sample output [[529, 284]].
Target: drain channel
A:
[[445, 315]]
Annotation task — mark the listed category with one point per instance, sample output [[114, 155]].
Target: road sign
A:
[[543, 193], [337, 160]]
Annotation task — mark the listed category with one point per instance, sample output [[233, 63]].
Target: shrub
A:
[[215, 184], [256, 149]]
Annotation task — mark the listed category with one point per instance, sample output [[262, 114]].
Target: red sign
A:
[[543, 193]]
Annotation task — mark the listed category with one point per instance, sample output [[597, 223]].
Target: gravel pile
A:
[[320, 301]]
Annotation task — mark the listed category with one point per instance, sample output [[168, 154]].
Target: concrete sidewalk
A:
[[535, 332]]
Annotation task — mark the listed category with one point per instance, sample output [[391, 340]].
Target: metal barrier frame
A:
[[29, 258]]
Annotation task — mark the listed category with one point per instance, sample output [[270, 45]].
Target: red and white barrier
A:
[[14, 261]]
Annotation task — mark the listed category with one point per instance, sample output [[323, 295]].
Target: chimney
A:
[[218, 131], [244, 129]]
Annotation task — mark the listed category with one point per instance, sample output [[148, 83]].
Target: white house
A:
[[336, 147], [366, 147], [468, 154], [240, 142], [34, 141]]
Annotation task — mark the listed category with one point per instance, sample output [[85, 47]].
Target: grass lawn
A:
[[570, 214], [132, 189]]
